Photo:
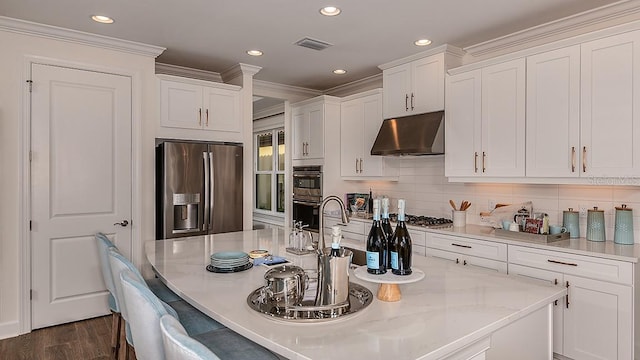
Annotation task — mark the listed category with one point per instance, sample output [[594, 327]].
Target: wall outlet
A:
[[583, 210]]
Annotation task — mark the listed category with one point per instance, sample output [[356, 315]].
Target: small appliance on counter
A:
[[595, 225], [571, 221], [623, 232]]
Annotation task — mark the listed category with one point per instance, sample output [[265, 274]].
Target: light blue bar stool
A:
[[104, 244], [178, 345]]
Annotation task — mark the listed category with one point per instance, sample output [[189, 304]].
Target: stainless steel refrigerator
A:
[[198, 188]]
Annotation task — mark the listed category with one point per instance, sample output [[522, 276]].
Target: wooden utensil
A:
[[453, 204]]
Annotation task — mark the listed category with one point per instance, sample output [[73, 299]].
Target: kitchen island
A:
[[453, 313]]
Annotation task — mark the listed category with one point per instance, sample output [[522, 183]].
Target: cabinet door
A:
[[558, 307], [610, 106], [221, 110], [396, 83], [181, 105], [462, 124], [598, 320], [467, 260], [553, 113], [371, 122], [315, 133], [300, 125], [503, 119], [351, 137], [427, 84]]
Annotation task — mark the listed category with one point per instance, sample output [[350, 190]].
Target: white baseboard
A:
[[9, 329]]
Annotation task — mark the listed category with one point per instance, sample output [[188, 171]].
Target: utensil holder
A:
[[459, 218]]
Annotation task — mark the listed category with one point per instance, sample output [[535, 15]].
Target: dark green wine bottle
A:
[[375, 244], [387, 230], [401, 251]]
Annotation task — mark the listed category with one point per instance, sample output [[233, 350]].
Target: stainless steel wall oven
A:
[[307, 195]]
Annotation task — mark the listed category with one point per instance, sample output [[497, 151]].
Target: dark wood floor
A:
[[82, 340]]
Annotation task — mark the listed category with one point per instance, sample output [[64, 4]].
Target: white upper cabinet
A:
[[610, 112], [553, 113], [360, 121], [485, 121], [308, 123], [201, 105], [414, 88], [463, 140]]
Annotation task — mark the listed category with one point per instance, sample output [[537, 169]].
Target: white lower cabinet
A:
[[465, 251], [595, 320]]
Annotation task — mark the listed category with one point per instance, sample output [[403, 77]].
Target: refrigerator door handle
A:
[[205, 219], [211, 187]]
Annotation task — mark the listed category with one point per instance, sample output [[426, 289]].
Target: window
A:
[[269, 170]]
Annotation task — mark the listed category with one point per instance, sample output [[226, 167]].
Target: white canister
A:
[[459, 218]]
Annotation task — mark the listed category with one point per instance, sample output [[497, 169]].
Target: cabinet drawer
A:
[[460, 245], [464, 260], [417, 237], [418, 250], [586, 266]]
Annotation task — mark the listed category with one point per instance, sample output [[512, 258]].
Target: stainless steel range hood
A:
[[411, 135]]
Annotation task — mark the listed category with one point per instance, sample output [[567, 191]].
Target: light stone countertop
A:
[[580, 246], [450, 308]]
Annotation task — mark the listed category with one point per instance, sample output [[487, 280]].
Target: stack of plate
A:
[[229, 261]]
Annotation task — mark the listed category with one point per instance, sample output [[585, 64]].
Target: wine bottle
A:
[[336, 236], [375, 244], [370, 204], [387, 230], [401, 251]]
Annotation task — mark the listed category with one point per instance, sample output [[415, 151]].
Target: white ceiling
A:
[[214, 34]]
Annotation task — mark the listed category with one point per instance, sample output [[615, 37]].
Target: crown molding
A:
[[175, 70], [78, 37], [445, 48], [282, 91], [371, 82], [565, 26], [239, 70], [270, 111]]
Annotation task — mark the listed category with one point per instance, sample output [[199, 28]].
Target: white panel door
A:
[[463, 124], [300, 124], [315, 147], [371, 122], [427, 85], [610, 106], [222, 110], [397, 85], [553, 113], [351, 137], [80, 184], [503, 119]]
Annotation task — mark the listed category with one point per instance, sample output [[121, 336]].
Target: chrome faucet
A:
[[345, 218]]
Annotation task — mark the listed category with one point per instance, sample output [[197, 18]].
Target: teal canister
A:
[[595, 225], [623, 232], [571, 221]]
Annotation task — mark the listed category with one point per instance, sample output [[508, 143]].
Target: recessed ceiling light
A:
[[330, 11], [422, 42], [102, 19], [254, 52], [339, 71]]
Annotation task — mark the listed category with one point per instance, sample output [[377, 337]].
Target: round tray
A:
[[389, 277], [229, 270], [359, 298]]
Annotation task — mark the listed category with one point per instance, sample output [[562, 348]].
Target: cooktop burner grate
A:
[[424, 221]]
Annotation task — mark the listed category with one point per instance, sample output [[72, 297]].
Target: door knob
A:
[[124, 223]]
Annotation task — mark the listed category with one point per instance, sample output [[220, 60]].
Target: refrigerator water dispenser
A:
[[185, 212]]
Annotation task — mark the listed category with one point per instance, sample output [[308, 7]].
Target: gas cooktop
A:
[[424, 221]]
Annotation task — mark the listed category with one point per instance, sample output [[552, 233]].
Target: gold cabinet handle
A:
[[361, 165], [357, 166], [200, 117], [484, 157], [573, 159], [475, 162], [584, 159], [207, 114]]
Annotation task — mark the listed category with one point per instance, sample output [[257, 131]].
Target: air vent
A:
[[313, 44]]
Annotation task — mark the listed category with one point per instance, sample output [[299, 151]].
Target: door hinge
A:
[[30, 82]]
